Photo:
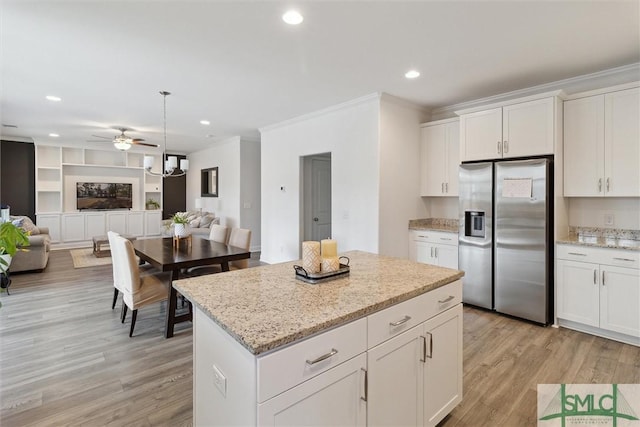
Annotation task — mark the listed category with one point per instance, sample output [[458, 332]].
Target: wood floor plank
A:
[[65, 359]]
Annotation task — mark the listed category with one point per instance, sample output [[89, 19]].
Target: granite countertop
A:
[[266, 307], [435, 224], [603, 238]]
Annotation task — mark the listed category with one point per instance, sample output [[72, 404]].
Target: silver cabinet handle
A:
[[625, 259], [333, 352], [442, 187], [366, 385], [423, 356], [603, 278], [431, 251], [446, 187], [449, 298], [419, 235], [436, 251], [430, 355], [595, 277], [600, 185], [577, 253], [506, 147], [499, 146], [405, 319], [445, 238], [607, 185]]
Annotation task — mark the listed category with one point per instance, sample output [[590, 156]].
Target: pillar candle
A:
[[311, 256], [329, 248], [330, 264]]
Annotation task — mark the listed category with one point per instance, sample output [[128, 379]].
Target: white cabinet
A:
[[117, 221], [135, 224], [440, 158], [602, 145], [516, 130], [599, 291], [94, 223], [434, 247], [73, 227], [51, 221], [152, 223]]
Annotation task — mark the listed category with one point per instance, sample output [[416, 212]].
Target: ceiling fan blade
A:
[[136, 139], [104, 137], [136, 142]]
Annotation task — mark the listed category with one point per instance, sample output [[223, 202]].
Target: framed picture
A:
[[209, 180]]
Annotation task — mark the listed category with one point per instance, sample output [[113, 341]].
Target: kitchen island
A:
[[381, 345]]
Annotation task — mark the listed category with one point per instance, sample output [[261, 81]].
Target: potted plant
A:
[[152, 204], [180, 223]]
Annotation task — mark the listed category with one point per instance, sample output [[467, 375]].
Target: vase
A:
[[180, 230]]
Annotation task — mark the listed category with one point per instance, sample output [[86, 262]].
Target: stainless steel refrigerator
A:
[[505, 238]]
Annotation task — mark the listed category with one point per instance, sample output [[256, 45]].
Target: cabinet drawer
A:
[[405, 315], [438, 237], [308, 358], [622, 258]]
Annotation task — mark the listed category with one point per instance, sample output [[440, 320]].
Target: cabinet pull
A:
[[603, 278], [447, 299], [600, 185], [595, 277], [624, 259], [445, 238], [499, 145], [431, 251], [607, 185], [442, 187], [430, 355], [423, 356], [366, 385], [405, 319], [506, 147], [419, 235], [333, 352], [577, 253], [446, 187], [436, 251]]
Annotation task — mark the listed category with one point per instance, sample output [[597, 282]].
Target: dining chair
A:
[[240, 238], [219, 233], [138, 290]]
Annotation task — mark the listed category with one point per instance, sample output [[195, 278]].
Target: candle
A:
[[329, 248], [311, 256], [330, 264]]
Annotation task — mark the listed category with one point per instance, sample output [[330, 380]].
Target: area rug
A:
[[84, 258]]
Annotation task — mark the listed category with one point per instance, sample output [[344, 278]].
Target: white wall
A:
[[590, 212], [399, 173], [250, 207], [350, 133]]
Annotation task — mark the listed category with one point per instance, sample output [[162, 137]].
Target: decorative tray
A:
[[314, 278]]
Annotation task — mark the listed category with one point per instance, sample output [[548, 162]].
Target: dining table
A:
[[165, 255]]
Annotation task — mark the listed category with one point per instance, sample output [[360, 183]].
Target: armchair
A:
[[36, 255]]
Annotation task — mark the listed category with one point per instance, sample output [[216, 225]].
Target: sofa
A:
[[36, 255], [199, 223]]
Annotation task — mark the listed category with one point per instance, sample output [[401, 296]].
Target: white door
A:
[[578, 292], [584, 146], [622, 143], [453, 158], [527, 128], [620, 300], [447, 256], [432, 156], [425, 253], [333, 398], [481, 135], [395, 381], [135, 224], [94, 224], [443, 365], [117, 221], [321, 198], [152, 223]]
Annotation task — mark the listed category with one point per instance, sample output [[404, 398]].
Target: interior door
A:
[[320, 198]]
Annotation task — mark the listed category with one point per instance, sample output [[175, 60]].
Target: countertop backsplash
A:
[[603, 237]]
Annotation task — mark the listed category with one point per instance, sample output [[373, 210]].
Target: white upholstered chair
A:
[[137, 289], [240, 238], [219, 233]]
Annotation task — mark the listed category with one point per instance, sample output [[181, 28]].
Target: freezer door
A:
[[475, 188], [521, 239]]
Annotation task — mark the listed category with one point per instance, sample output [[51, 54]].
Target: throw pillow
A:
[[194, 223], [205, 220]]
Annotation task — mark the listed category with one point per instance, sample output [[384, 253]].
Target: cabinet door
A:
[[72, 227], [447, 256], [433, 151], [578, 293], [528, 128], [584, 146], [94, 224], [453, 158], [153, 223], [425, 253], [443, 365], [117, 221], [53, 223], [335, 397], [620, 300], [481, 135], [622, 143], [395, 381], [135, 224]]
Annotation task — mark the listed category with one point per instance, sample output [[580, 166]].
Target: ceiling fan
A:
[[123, 142]]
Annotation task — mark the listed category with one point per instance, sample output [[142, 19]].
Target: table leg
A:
[[171, 306], [224, 266]]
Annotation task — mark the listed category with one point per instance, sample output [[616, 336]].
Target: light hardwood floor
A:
[[65, 359]]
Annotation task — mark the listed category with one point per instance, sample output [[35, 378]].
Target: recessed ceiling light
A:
[[412, 74], [54, 135], [211, 135], [292, 17], [54, 98], [205, 122]]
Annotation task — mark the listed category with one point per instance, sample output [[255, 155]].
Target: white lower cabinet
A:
[[434, 247], [598, 291], [384, 369], [52, 222], [152, 223]]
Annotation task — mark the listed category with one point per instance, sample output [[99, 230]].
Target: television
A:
[[103, 196]]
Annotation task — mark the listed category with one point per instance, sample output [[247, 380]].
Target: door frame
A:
[[306, 193]]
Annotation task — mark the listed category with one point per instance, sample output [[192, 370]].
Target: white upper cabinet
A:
[[602, 145], [440, 158], [517, 130]]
